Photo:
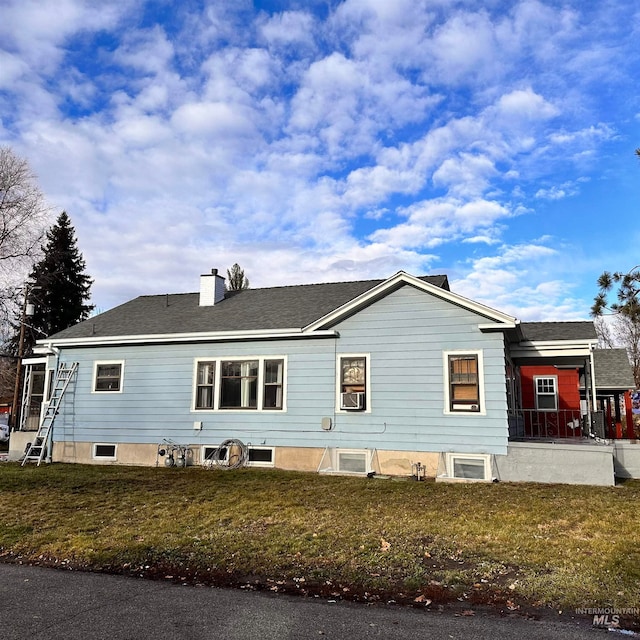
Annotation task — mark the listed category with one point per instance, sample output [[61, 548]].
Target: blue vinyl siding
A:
[[404, 334]]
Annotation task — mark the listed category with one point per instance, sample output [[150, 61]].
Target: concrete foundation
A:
[[298, 458], [393, 463], [627, 458], [564, 463], [18, 443], [570, 462]]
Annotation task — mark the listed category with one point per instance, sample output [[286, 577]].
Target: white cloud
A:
[[557, 192], [590, 135], [350, 145], [466, 174], [525, 105], [12, 67], [434, 222], [213, 118], [465, 46], [289, 28], [146, 51], [37, 29]]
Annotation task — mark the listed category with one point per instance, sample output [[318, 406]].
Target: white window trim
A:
[[485, 457], [367, 381], [95, 445], [97, 363], [555, 394], [447, 387], [217, 382], [262, 464]]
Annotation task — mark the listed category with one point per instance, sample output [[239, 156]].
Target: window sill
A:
[[232, 411]]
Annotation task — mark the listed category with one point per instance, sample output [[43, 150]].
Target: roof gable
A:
[[398, 280]]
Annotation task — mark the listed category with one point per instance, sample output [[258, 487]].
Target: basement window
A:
[[469, 466], [260, 457], [104, 451], [213, 454], [352, 461], [348, 461]]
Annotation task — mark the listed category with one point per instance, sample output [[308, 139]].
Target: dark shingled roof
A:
[[558, 330], [612, 369], [291, 307]]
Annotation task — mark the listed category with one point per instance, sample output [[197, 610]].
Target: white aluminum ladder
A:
[[38, 448]]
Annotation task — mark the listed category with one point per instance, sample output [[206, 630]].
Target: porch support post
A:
[[611, 430], [629, 413], [618, 414], [592, 375]]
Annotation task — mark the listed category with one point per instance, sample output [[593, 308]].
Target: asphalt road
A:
[[44, 603]]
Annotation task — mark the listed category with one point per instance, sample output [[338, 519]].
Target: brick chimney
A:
[[211, 288]]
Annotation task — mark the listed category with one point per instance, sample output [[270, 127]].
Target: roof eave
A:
[[550, 348], [169, 338]]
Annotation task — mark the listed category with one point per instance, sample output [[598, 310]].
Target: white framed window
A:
[[212, 454], [256, 383], [469, 466], [104, 451], [239, 384], [108, 376], [347, 461], [463, 382], [546, 392], [205, 384], [352, 461], [273, 384], [353, 382], [260, 456]]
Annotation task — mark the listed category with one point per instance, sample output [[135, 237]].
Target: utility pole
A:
[[27, 311]]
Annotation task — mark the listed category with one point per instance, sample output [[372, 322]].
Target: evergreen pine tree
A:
[[236, 279], [61, 288]]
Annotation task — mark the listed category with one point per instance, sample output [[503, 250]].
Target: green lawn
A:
[[549, 545]]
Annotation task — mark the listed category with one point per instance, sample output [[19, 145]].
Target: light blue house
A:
[[354, 377]]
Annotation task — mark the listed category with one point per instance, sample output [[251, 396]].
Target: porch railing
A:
[[531, 424]]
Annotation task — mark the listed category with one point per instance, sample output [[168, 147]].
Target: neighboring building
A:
[[349, 377]]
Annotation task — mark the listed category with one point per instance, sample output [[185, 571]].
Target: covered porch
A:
[[35, 393], [551, 382], [565, 408]]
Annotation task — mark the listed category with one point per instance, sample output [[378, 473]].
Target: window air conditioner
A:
[[352, 401], [465, 407]]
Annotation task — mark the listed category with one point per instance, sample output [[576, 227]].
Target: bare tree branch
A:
[[606, 339], [23, 214]]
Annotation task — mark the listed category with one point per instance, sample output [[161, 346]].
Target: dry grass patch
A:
[[552, 545]]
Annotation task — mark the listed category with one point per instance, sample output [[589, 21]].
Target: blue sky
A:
[[321, 141]]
